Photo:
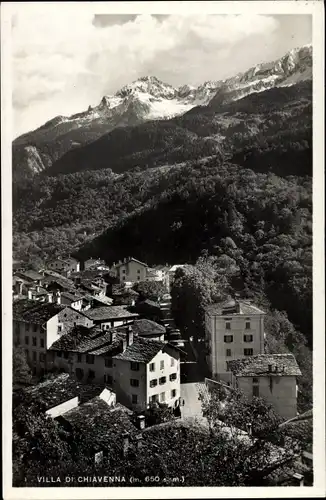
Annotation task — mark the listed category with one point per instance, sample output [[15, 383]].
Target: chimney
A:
[[30, 295], [270, 368], [50, 297], [58, 298], [139, 440], [130, 335], [124, 344], [125, 443], [37, 288], [141, 422], [19, 287], [249, 429], [78, 280]]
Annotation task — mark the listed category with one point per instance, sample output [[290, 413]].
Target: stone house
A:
[[130, 270], [111, 316], [272, 377]]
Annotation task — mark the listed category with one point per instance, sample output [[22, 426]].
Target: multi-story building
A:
[[66, 266], [111, 316], [233, 329], [87, 353], [272, 377], [130, 270], [146, 372], [36, 326]]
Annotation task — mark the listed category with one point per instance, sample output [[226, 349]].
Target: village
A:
[[103, 345]]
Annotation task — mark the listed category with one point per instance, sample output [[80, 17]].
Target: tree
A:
[[152, 290], [21, 370]]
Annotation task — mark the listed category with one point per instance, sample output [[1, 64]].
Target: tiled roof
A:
[[100, 425], [281, 365], [225, 308], [87, 340], [35, 312], [145, 327], [129, 260], [55, 391], [109, 312], [141, 350], [31, 275], [71, 296], [64, 283]]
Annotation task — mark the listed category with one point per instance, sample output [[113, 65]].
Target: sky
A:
[[63, 62]]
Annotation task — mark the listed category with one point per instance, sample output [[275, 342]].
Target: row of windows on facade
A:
[[228, 339], [91, 375], [124, 271], [152, 365], [90, 358], [34, 356], [34, 341], [161, 397], [228, 325], [246, 352], [134, 382]]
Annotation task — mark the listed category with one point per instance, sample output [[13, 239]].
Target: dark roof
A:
[[55, 391], [129, 260], [64, 283], [307, 415], [35, 312], [143, 350], [233, 308], [71, 296], [100, 425], [118, 289], [89, 340], [144, 327], [31, 275], [109, 312], [252, 366]]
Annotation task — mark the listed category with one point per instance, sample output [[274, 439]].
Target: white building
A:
[[233, 329], [272, 377], [66, 266], [130, 270], [148, 371]]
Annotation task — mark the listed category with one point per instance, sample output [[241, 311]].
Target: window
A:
[[134, 399], [79, 373], [162, 380], [173, 393], [34, 356], [153, 383], [228, 326], [162, 397], [34, 328], [138, 278], [66, 355], [59, 328], [138, 271], [172, 361], [26, 340], [79, 358], [59, 354], [152, 367], [108, 379], [134, 366], [173, 376], [228, 353], [255, 391], [108, 362], [247, 325], [90, 359], [255, 380], [91, 374], [134, 382], [153, 398], [27, 327], [248, 338], [42, 357], [162, 365], [124, 278], [123, 271], [42, 342], [228, 339], [34, 341], [248, 352]]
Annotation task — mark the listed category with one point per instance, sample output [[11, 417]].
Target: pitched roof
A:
[[89, 340], [54, 391], [109, 312], [100, 425], [253, 366], [143, 350], [233, 308], [35, 312], [71, 296], [144, 327], [31, 275], [126, 261]]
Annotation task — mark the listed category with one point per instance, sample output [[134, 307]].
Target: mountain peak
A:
[[149, 85]]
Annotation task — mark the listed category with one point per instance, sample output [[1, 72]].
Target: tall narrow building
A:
[[234, 329]]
